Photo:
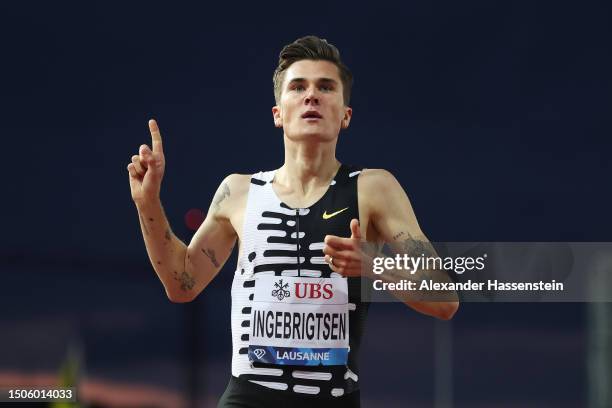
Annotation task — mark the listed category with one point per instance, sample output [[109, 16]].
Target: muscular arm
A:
[[186, 270], [395, 223], [183, 270]]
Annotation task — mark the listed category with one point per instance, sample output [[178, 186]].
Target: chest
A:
[[329, 215]]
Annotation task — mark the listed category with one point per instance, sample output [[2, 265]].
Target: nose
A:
[[311, 96]]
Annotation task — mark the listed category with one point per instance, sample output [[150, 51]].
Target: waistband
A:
[[243, 393]]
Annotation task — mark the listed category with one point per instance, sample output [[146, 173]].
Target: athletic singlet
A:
[[279, 241]]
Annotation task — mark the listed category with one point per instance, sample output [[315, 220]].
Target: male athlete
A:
[[297, 312]]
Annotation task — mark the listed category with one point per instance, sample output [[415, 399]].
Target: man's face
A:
[[311, 103]]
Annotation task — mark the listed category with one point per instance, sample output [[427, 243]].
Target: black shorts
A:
[[245, 394]]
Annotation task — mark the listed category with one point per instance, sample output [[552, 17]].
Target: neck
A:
[[307, 165]]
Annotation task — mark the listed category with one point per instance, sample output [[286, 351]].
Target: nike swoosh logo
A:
[[327, 216]]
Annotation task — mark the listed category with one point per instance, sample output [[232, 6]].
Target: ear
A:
[[276, 114], [348, 113]]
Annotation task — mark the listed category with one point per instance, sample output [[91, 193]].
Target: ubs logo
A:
[[281, 291], [314, 290]]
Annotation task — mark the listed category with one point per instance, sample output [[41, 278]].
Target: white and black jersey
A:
[[282, 241]]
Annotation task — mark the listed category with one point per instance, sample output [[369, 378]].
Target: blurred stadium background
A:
[[494, 117]]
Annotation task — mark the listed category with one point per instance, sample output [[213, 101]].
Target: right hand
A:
[[147, 169]]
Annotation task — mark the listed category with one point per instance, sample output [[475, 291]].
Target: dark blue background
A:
[[495, 117]]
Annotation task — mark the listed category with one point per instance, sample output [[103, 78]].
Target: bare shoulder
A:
[[376, 183], [379, 191], [238, 183], [376, 176], [231, 193]]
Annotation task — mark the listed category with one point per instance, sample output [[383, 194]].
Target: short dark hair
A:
[[311, 48]]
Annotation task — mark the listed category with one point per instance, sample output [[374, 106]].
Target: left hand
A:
[[345, 255]]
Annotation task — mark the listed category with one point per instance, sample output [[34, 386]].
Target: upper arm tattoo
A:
[[220, 196], [210, 253]]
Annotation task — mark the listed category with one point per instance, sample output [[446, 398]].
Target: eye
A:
[[326, 88], [298, 88]]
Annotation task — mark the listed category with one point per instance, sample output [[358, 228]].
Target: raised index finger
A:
[[155, 136]]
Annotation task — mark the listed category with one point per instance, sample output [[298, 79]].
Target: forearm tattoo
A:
[[185, 279]]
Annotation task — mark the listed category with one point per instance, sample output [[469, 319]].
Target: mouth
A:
[[312, 114]]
